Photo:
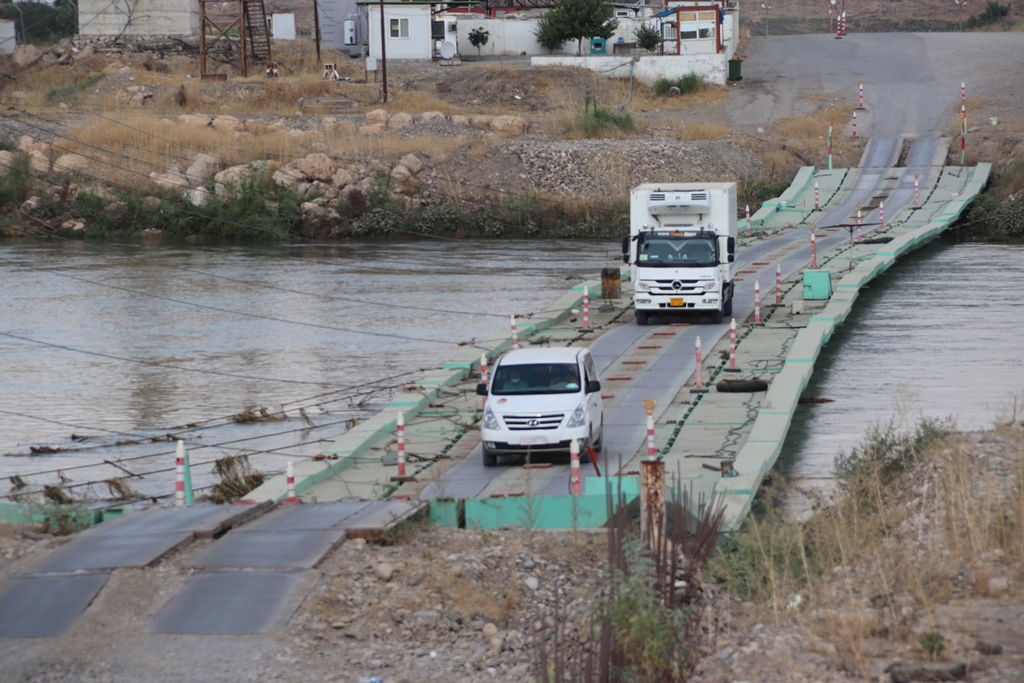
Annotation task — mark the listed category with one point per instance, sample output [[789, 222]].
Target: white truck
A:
[[682, 247]]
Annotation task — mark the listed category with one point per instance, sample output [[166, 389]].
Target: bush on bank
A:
[[998, 213]]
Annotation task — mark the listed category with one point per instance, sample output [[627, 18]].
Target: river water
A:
[[119, 345]]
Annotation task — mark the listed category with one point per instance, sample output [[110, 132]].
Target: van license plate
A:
[[534, 440], [675, 301]]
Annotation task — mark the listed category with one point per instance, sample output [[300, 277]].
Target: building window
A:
[[399, 28], [696, 25]]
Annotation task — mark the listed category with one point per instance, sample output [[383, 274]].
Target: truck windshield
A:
[[677, 250], [541, 378]]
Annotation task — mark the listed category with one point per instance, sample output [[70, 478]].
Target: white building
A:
[[8, 37], [138, 18]]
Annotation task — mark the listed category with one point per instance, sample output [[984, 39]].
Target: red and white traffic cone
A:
[[748, 219], [839, 28], [650, 439], [574, 467], [817, 206], [778, 285], [855, 124], [400, 432], [483, 375], [881, 215], [843, 20], [732, 348], [860, 236], [179, 476], [814, 251], [757, 302], [291, 498], [586, 308], [699, 388], [515, 333]]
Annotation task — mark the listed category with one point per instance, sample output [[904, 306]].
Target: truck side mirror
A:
[[593, 386], [625, 249], [731, 247], [481, 389]]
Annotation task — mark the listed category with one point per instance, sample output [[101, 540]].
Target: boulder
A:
[[171, 180], [71, 163], [200, 196], [317, 166], [6, 162], [377, 117], [27, 55], [198, 173], [24, 144], [509, 124], [428, 116], [194, 120], [73, 225], [399, 120], [318, 221], [31, 205], [481, 120], [343, 177], [290, 178], [38, 163], [412, 162], [371, 130], [116, 211], [460, 119], [228, 124]]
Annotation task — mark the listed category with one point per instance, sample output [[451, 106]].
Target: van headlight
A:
[[490, 419], [579, 416]]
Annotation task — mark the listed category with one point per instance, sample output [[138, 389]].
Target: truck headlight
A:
[[643, 286], [579, 416], [708, 286], [490, 420]]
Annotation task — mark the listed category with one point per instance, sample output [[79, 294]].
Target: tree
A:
[[647, 36], [478, 37], [548, 33], [579, 19]]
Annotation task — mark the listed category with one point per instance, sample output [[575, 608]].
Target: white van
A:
[[538, 400]]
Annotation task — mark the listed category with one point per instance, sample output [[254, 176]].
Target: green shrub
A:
[[689, 84], [647, 37], [70, 93], [594, 122], [994, 12], [17, 185]]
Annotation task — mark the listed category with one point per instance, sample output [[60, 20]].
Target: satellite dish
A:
[[448, 49]]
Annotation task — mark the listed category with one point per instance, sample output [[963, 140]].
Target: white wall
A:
[[8, 41], [714, 68], [417, 46], [138, 18], [513, 36]]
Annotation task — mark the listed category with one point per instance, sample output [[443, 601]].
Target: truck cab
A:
[[539, 401]]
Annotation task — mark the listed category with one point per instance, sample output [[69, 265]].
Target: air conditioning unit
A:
[[662, 203], [350, 32]]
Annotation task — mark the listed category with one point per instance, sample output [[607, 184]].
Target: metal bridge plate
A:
[[271, 549], [234, 602], [46, 605], [307, 517], [203, 520], [110, 551]]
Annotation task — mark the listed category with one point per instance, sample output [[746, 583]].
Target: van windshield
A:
[[541, 378]]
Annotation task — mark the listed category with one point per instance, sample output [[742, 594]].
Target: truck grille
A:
[[525, 422], [685, 287]]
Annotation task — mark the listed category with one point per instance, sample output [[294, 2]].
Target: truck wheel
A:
[[490, 459], [728, 308], [641, 317], [716, 317]]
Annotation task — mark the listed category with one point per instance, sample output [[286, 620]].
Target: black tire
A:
[[716, 317], [727, 311], [490, 459], [741, 386], [641, 317]]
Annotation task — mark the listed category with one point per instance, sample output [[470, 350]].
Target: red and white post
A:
[[917, 194], [778, 284], [748, 219], [179, 476], [483, 374], [400, 433], [586, 308], [651, 455], [699, 389], [860, 235], [814, 251], [842, 20], [881, 215], [290, 478], [860, 102], [817, 206], [855, 124], [757, 302], [515, 334], [574, 467], [732, 347], [963, 94]]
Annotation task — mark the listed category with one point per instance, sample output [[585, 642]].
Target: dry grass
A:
[[701, 130], [644, 97]]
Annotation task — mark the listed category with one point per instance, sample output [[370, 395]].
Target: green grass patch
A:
[[70, 93], [689, 84]]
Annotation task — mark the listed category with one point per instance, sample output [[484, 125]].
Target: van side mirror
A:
[[593, 386], [481, 389]]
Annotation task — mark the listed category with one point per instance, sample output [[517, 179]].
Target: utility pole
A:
[[960, 4], [766, 8]]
